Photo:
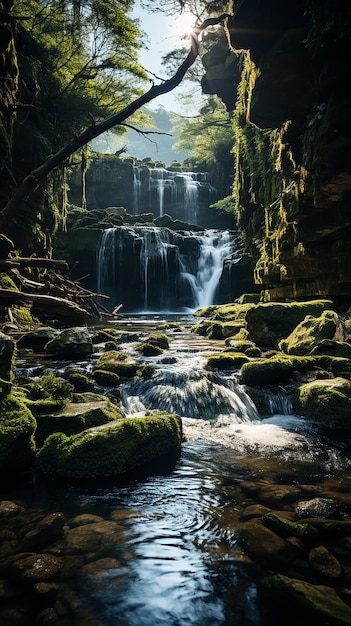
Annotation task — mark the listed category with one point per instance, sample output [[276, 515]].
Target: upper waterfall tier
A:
[[183, 195]]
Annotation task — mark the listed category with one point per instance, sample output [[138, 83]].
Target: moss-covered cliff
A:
[[292, 180]]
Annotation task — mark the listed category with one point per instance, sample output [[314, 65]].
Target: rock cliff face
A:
[[292, 181]]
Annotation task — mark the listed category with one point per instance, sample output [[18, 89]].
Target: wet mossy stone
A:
[[37, 338], [158, 339], [326, 401], [118, 363], [71, 343], [269, 322], [104, 334], [223, 330], [75, 418], [17, 429], [333, 348], [307, 335], [227, 361], [148, 349], [105, 378], [266, 372], [317, 603], [113, 449]]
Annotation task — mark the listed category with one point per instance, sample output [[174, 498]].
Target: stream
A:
[[176, 561]]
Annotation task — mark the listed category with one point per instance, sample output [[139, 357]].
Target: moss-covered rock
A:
[[264, 372], [118, 363], [333, 348], [148, 349], [113, 449], [158, 339], [317, 603], [227, 361], [327, 401], [307, 335], [71, 343], [269, 322], [105, 378], [75, 418], [104, 334], [17, 428]]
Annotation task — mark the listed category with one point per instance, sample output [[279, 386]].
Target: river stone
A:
[[327, 401], [46, 531], [71, 343], [33, 567], [319, 601], [9, 509], [318, 507], [37, 339], [254, 510], [112, 449], [324, 563], [311, 331], [84, 518], [262, 545], [93, 538], [76, 417]]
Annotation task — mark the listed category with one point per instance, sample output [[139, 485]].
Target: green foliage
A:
[[50, 386], [77, 61], [17, 428]]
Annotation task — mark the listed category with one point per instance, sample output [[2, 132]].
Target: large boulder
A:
[[113, 449], [269, 322], [37, 338], [76, 417], [307, 335], [17, 428], [326, 401], [118, 363], [71, 343]]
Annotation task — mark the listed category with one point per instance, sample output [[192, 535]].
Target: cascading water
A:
[[179, 194], [155, 269]]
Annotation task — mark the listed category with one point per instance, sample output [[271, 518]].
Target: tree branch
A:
[[32, 180]]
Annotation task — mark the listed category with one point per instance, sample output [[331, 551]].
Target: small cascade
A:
[[183, 195], [146, 268]]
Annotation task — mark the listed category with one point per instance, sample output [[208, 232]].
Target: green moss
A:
[[110, 345], [45, 406], [148, 371], [79, 381], [106, 379], [6, 282], [118, 363], [17, 428], [284, 528], [104, 334], [308, 334], [113, 449], [158, 339], [24, 318], [327, 401], [148, 349], [226, 361], [51, 387]]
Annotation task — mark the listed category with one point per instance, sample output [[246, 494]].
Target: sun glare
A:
[[184, 24]]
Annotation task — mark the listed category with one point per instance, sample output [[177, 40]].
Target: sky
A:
[[164, 34]]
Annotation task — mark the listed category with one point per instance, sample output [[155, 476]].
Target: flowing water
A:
[[177, 562]]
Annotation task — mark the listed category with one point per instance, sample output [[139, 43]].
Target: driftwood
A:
[[6, 264], [50, 305], [54, 295]]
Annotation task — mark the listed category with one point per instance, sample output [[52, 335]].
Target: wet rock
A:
[[36, 339], [324, 563], [326, 401], [9, 509], [46, 531], [255, 510], [71, 343], [318, 507], [311, 331], [263, 546], [92, 538], [34, 568], [85, 518], [320, 601]]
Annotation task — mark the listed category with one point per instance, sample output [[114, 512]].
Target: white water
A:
[[167, 280]]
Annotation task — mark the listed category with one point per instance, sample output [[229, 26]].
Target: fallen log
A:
[[41, 304], [21, 262]]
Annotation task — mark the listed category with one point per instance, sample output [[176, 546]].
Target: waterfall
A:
[[183, 195], [146, 268]]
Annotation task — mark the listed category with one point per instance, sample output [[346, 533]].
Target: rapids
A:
[[177, 562]]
